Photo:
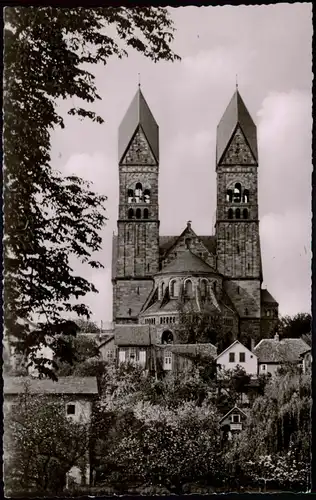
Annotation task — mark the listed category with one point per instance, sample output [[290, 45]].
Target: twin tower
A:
[[138, 248]]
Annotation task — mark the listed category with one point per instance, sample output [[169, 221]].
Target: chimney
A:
[[276, 337], [252, 345]]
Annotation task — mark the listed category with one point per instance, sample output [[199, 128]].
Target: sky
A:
[[269, 47]]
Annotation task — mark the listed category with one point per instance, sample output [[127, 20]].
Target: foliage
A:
[[86, 326], [296, 326], [41, 444], [84, 349], [51, 220], [163, 452]]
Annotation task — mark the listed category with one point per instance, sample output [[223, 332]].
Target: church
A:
[[156, 277]]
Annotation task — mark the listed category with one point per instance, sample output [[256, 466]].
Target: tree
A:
[[86, 326], [295, 326], [163, 453], [50, 219], [83, 350], [41, 444]]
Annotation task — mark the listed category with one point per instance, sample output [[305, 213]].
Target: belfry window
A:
[[146, 213], [138, 213], [130, 213], [237, 193], [230, 213], [130, 196], [245, 213], [245, 197], [162, 289], [138, 192], [203, 288], [238, 213], [147, 196], [229, 195]]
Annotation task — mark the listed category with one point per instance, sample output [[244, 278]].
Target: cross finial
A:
[[139, 80], [236, 82]]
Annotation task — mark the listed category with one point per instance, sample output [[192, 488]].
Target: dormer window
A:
[[235, 418]]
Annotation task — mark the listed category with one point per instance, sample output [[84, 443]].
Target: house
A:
[[78, 393], [107, 347], [273, 353], [237, 355], [134, 344], [233, 422], [306, 358], [177, 358]]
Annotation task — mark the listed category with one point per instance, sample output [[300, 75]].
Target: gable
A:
[[235, 346], [138, 151], [172, 247], [238, 151]]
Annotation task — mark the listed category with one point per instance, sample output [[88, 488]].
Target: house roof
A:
[[267, 298], [235, 114], [234, 409], [187, 262], [64, 385], [138, 114], [230, 346], [132, 335], [191, 349], [278, 351]]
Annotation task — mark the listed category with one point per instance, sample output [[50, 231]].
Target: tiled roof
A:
[[267, 298], [64, 385], [193, 349], [187, 262], [130, 335], [278, 351], [166, 242], [137, 114], [236, 113]]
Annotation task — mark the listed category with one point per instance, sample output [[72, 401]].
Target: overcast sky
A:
[[269, 47]]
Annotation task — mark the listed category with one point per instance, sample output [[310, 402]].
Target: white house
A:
[[273, 353], [237, 355]]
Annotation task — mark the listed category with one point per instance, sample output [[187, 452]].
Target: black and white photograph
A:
[[157, 333]]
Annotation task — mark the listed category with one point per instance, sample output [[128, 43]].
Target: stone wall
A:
[[130, 296]]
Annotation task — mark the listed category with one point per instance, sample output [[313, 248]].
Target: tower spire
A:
[[139, 80], [236, 81]]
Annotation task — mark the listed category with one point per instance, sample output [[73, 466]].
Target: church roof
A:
[[267, 298], [278, 351], [166, 242], [138, 114], [236, 114], [187, 262]]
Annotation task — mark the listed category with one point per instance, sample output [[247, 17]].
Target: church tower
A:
[[237, 220], [136, 246]]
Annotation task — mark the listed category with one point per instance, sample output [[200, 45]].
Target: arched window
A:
[[237, 213], [230, 213], [146, 213], [188, 288], [138, 192], [167, 337], [147, 196], [162, 289], [237, 193], [174, 288], [130, 213], [203, 288], [229, 195], [245, 196], [245, 213], [138, 213], [130, 196]]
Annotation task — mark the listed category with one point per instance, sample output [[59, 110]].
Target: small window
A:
[[237, 193], [229, 195], [138, 213], [130, 312], [235, 419], [238, 290], [188, 242], [237, 213], [230, 213], [71, 409], [238, 249], [147, 196], [246, 196], [146, 213], [130, 213], [245, 213], [232, 357], [263, 368], [242, 357]]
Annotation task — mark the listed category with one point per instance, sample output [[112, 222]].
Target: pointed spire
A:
[[236, 114], [138, 115]]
